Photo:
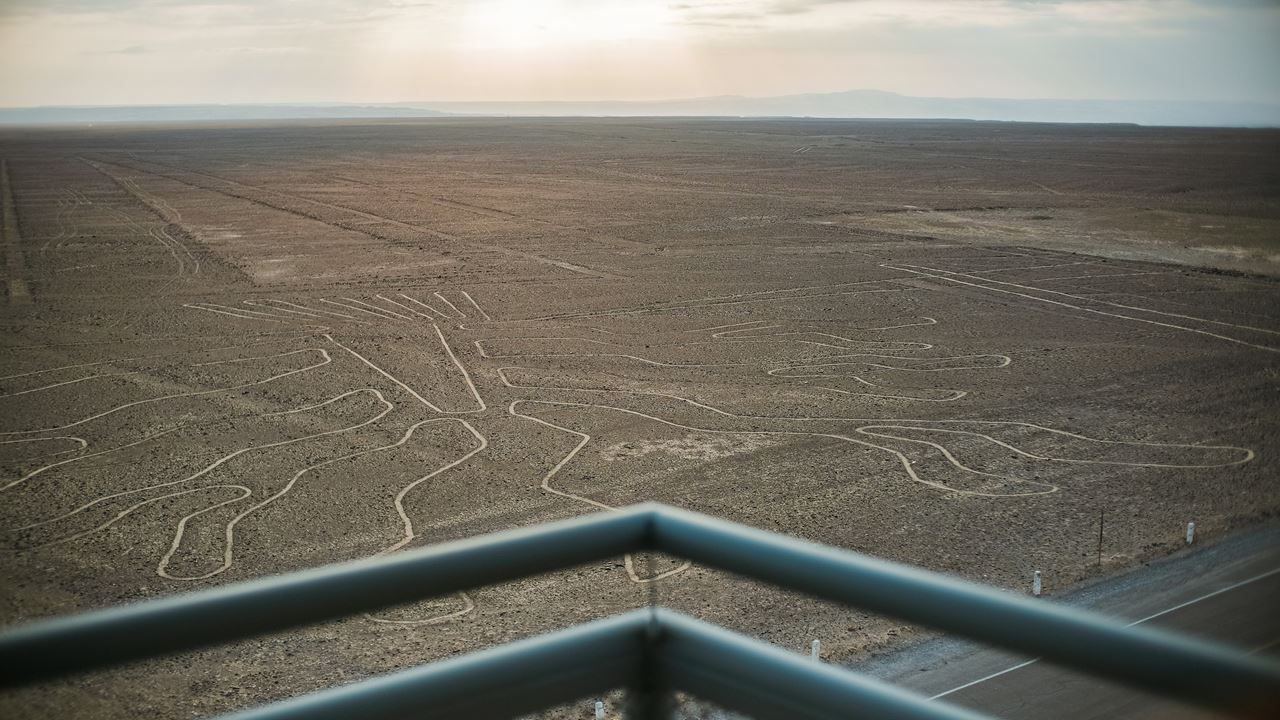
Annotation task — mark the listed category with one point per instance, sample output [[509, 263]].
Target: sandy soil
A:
[[242, 350]]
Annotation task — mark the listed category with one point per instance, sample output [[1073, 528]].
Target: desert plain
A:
[[231, 351]]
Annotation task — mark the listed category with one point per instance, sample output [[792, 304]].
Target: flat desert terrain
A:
[[232, 351]]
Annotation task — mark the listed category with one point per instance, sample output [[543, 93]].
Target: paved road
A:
[[1229, 592]]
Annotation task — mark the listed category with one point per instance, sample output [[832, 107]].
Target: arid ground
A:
[[240, 350]]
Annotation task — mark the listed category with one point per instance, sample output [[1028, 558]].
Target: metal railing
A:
[[650, 652]]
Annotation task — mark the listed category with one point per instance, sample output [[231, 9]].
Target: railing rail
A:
[[1162, 662]]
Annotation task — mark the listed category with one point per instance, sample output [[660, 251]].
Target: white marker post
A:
[[1035, 584], [599, 710], [815, 650], [1191, 532]]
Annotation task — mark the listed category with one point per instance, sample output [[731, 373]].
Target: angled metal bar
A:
[[502, 682], [769, 683], [1168, 664], [590, 659], [184, 622]]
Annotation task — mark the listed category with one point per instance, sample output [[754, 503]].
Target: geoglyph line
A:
[[79, 441], [424, 305], [379, 309], [298, 307], [484, 315], [324, 353], [385, 374], [410, 534], [906, 463], [210, 467], [952, 394], [947, 275], [471, 386], [139, 357], [583, 440], [395, 309], [382, 314], [237, 313], [455, 309], [405, 307], [924, 424]]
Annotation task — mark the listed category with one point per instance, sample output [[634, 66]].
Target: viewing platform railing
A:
[[651, 652]]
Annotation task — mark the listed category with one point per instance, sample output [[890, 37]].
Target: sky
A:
[[125, 52]]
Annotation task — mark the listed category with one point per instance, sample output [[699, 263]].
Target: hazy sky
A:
[[197, 51]]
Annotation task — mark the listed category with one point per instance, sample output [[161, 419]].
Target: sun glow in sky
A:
[[274, 51], [560, 24]]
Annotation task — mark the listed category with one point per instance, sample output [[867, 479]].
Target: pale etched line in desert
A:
[[411, 533], [948, 276], [210, 467], [385, 374], [546, 485], [197, 393]]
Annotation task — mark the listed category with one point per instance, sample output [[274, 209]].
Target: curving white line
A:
[[1003, 360], [763, 340], [81, 442], [230, 531], [927, 321], [70, 382], [246, 492], [866, 430], [126, 446], [142, 357], [409, 533], [546, 485], [210, 467], [952, 397], [197, 393], [468, 606], [906, 463], [874, 422]]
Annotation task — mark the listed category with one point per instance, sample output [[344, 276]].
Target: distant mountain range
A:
[[851, 104]]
